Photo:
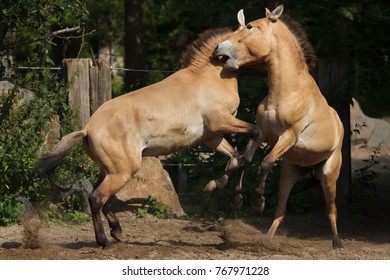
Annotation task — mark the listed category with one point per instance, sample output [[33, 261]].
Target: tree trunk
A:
[[135, 51], [3, 32]]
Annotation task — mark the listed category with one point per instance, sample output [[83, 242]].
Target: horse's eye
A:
[[249, 26]]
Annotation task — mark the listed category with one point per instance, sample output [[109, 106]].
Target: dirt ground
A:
[[365, 236]]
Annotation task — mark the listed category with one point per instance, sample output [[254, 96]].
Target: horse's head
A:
[[251, 43]]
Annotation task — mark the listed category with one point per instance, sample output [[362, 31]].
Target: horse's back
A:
[[161, 118]]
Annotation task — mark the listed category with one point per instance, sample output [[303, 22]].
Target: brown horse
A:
[[196, 104], [294, 117]]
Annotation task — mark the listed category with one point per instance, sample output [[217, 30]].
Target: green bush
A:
[[23, 126], [25, 122]]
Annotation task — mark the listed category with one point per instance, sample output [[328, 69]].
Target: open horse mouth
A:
[[220, 58], [224, 53]]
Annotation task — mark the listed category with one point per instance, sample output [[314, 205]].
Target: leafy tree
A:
[[24, 122]]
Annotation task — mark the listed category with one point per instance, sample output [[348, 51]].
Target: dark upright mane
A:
[[300, 34], [200, 50]]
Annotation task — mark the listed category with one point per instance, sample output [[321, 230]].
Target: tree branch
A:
[[39, 38]]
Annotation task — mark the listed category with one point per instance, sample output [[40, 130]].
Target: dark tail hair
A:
[[48, 163]]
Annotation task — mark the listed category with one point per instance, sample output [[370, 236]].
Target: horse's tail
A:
[[48, 163]]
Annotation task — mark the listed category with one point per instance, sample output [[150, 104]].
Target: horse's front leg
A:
[[227, 123], [219, 144], [285, 142]]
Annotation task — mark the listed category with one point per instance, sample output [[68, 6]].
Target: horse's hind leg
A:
[[289, 176], [118, 175], [116, 230], [113, 222], [328, 176], [111, 184]]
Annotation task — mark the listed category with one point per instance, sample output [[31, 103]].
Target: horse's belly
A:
[[309, 151], [174, 140], [311, 148], [304, 157]]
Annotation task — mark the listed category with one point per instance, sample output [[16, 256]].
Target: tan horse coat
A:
[[196, 104], [294, 117]]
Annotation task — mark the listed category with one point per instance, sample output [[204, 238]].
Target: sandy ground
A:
[[365, 235], [300, 237]]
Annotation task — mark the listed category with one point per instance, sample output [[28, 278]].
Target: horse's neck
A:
[[219, 73], [286, 74]]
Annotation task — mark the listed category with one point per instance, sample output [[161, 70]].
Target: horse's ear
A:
[[267, 12], [275, 14], [241, 18]]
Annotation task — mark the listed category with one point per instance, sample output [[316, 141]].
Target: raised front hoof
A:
[[233, 165], [258, 204], [116, 234], [237, 202], [337, 244], [211, 186]]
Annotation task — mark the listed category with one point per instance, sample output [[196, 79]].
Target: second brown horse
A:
[[295, 118]]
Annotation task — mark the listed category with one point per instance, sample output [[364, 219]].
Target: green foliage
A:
[[41, 14], [25, 114], [141, 212], [62, 214], [161, 212], [36, 19], [364, 184], [9, 210], [22, 129], [75, 216], [154, 208]]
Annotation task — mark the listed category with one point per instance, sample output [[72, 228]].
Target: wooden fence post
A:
[[89, 86], [100, 79], [77, 77], [331, 75]]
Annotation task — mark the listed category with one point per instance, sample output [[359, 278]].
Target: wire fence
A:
[[57, 68], [112, 68]]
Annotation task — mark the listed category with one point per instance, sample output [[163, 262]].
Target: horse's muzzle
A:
[[224, 52]]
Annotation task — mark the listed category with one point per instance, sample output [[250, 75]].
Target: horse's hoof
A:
[[237, 202], [211, 186], [337, 244], [116, 234], [258, 204], [107, 246]]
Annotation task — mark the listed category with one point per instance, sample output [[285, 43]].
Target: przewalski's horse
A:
[[294, 117], [196, 104]]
